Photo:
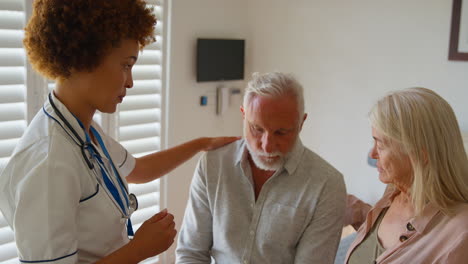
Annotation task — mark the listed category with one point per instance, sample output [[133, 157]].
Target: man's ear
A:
[[302, 122], [242, 111]]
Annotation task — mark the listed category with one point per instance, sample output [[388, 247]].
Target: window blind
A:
[[12, 100], [139, 119]]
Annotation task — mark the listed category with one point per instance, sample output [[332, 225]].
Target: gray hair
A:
[[275, 84]]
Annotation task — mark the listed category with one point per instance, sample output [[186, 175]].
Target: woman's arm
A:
[[355, 212], [155, 165]]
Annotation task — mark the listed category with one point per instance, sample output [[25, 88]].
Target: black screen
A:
[[220, 59]]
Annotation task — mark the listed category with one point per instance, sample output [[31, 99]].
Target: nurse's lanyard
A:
[[130, 200]]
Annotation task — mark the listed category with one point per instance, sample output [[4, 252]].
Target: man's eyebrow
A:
[[285, 129]]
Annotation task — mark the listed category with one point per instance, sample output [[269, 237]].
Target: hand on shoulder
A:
[[211, 143]]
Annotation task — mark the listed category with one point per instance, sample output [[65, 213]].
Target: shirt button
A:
[[410, 227], [403, 238], [245, 262], [251, 233], [251, 205]]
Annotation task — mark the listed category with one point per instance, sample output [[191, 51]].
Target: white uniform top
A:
[[59, 209]]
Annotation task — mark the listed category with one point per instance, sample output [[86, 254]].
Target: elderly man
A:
[[266, 198]]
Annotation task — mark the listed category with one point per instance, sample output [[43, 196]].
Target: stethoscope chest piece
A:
[[133, 202]]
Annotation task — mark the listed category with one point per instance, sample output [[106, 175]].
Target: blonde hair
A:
[[275, 84], [421, 124]]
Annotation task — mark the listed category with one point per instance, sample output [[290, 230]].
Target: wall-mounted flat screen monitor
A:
[[220, 59]]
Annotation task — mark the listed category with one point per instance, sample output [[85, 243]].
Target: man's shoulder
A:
[[314, 163], [227, 152]]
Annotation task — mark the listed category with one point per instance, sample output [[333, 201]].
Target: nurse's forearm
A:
[[155, 165]]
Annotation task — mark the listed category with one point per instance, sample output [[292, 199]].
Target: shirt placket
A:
[[257, 210], [256, 207], [247, 251], [404, 238]]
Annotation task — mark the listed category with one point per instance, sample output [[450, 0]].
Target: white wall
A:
[[188, 21], [348, 54]]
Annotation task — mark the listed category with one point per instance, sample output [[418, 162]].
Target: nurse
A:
[[64, 191]]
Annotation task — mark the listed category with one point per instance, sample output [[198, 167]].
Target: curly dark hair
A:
[[75, 35]]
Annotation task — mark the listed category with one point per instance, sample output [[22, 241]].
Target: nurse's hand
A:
[[211, 143], [155, 235]]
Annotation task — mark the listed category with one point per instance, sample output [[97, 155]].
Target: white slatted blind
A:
[[12, 100], [139, 119]]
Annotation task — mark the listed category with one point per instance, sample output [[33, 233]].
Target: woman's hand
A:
[[155, 235], [356, 211], [211, 143]]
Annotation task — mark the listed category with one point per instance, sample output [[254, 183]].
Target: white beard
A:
[[268, 164]]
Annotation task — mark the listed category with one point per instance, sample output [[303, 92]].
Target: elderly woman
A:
[[423, 215]]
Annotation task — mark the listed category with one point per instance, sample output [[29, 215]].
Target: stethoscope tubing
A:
[[88, 147]]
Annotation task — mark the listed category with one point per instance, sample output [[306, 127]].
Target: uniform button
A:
[[251, 233], [403, 238], [410, 227], [245, 262], [251, 205]]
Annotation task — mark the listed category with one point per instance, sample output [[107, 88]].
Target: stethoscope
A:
[[131, 202]]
